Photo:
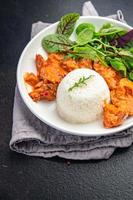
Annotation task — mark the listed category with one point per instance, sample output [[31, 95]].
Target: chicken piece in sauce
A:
[[111, 76], [71, 64], [44, 92], [121, 106], [113, 116], [50, 72]]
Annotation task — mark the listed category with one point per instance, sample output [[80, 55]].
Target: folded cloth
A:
[[32, 137]]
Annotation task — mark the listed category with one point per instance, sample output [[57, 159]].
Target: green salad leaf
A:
[[83, 26], [110, 31], [98, 46], [129, 45], [125, 53], [128, 63], [118, 65], [105, 26], [131, 50], [84, 36], [71, 55], [67, 23], [86, 52], [131, 75], [56, 43]]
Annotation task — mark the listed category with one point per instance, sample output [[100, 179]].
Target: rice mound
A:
[[82, 104]]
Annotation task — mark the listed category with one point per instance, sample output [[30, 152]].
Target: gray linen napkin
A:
[[32, 137]]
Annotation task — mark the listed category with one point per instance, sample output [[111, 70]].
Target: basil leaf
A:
[[66, 24], [56, 43], [83, 26], [118, 65], [84, 37]]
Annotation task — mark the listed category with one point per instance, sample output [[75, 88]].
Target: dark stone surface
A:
[[23, 177]]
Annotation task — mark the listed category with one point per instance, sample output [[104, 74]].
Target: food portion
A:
[[108, 51], [121, 106], [111, 76], [50, 72], [81, 96], [110, 46]]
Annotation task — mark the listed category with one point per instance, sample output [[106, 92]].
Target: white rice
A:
[[82, 104]]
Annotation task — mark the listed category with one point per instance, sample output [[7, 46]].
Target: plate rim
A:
[[24, 98]]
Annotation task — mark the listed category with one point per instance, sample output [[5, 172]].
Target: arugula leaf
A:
[[84, 36], [83, 26], [56, 43], [66, 24], [118, 65]]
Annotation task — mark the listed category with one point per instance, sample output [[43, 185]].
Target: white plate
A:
[[46, 111]]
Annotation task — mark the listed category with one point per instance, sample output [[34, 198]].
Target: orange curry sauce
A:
[[51, 71]]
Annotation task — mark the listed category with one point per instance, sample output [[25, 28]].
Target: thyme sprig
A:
[[80, 83]]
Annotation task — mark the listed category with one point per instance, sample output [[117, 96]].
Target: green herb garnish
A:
[[80, 83]]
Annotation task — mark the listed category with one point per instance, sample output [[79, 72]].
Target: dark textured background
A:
[[26, 178]]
